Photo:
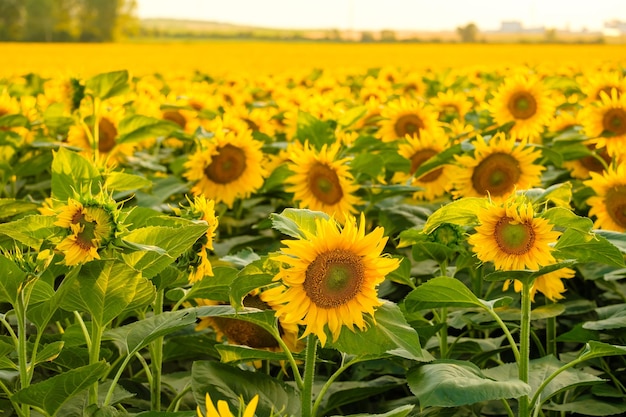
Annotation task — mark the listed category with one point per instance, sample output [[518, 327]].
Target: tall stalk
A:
[[524, 359], [309, 373]]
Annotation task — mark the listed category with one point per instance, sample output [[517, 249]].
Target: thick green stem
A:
[[290, 359], [523, 363], [22, 352], [309, 373], [94, 357], [328, 383], [443, 334], [156, 359]]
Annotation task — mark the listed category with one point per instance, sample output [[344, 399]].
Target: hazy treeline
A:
[[66, 20]]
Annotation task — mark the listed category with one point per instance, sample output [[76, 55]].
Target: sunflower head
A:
[[330, 277], [608, 206]]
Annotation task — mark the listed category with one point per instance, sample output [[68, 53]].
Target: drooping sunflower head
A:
[[226, 167], [498, 167], [331, 276], [524, 101], [605, 122], [321, 180], [608, 206], [406, 117], [419, 150], [512, 237], [88, 227]]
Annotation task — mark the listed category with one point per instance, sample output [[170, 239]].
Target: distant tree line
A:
[[67, 20]]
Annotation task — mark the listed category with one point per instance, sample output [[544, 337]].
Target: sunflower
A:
[[582, 167], [406, 117], [451, 105], [331, 277], [226, 167], [525, 101], [549, 284], [605, 122], [321, 181], [419, 150], [89, 228], [594, 83], [223, 410], [240, 332], [498, 167], [609, 203], [510, 236]]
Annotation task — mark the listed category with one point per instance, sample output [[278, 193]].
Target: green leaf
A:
[[431, 250], [455, 383], [104, 288], [133, 337], [461, 212], [402, 411], [527, 274], [238, 354], [121, 181], [72, 173], [13, 120], [438, 160], [30, 231], [566, 219], [388, 333], [215, 288], [228, 383], [588, 248], [441, 292], [52, 393], [11, 280], [314, 130], [595, 349], [350, 116], [616, 320], [109, 84], [49, 352], [294, 222], [558, 194], [245, 283], [618, 239], [10, 207], [349, 392], [368, 164], [173, 240], [265, 319], [136, 127], [589, 406]]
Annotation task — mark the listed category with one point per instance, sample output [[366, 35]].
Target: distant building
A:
[[614, 28], [511, 26]]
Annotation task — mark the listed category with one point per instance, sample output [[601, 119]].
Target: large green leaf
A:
[[30, 231], [455, 383], [349, 392], [388, 333], [108, 84], [71, 174], [402, 411], [595, 349], [613, 317], [317, 132], [237, 354], [136, 127], [9, 207], [215, 288], [225, 382], [461, 212], [584, 247], [174, 241], [565, 218], [132, 337], [441, 292], [293, 222], [52, 393], [11, 280], [121, 181], [589, 406], [105, 289]]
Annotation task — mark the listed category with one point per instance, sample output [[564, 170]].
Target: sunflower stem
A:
[[309, 373], [443, 333], [94, 356], [524, 359], [156, 358], [551, 333], [331, 379], [22, 351]]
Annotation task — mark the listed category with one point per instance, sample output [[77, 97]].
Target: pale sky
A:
[[391, 14]]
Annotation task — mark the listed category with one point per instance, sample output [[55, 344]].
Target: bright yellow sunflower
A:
[[321, 181], [497, 168], [525, 101], [593, 83], [605, 122], [419, 150], [223, 410], [89, 227], [549, 284], [609, 203], [331, 277], [510, 236], [451, 105], [582, 167], [406, 117], [226, 167]]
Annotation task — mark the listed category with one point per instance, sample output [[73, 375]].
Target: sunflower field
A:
[[309, 239]]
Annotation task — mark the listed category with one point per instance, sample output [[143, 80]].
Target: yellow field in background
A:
[[220, 57]]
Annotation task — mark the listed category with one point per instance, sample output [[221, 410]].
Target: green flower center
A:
[[522, 105], [324, 184], [496, 175], [334, 278], [227, 166], [514, 238]]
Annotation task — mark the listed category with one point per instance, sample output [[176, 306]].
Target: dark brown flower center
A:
[[496, 175], [227, 166], [615, 201], [408, 124], [522, 105], [324, 184], [514, 238], [419, 158], [334, 278], [592, 162], [176, 117], [614, 121], [241, 332], [107, 133]]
